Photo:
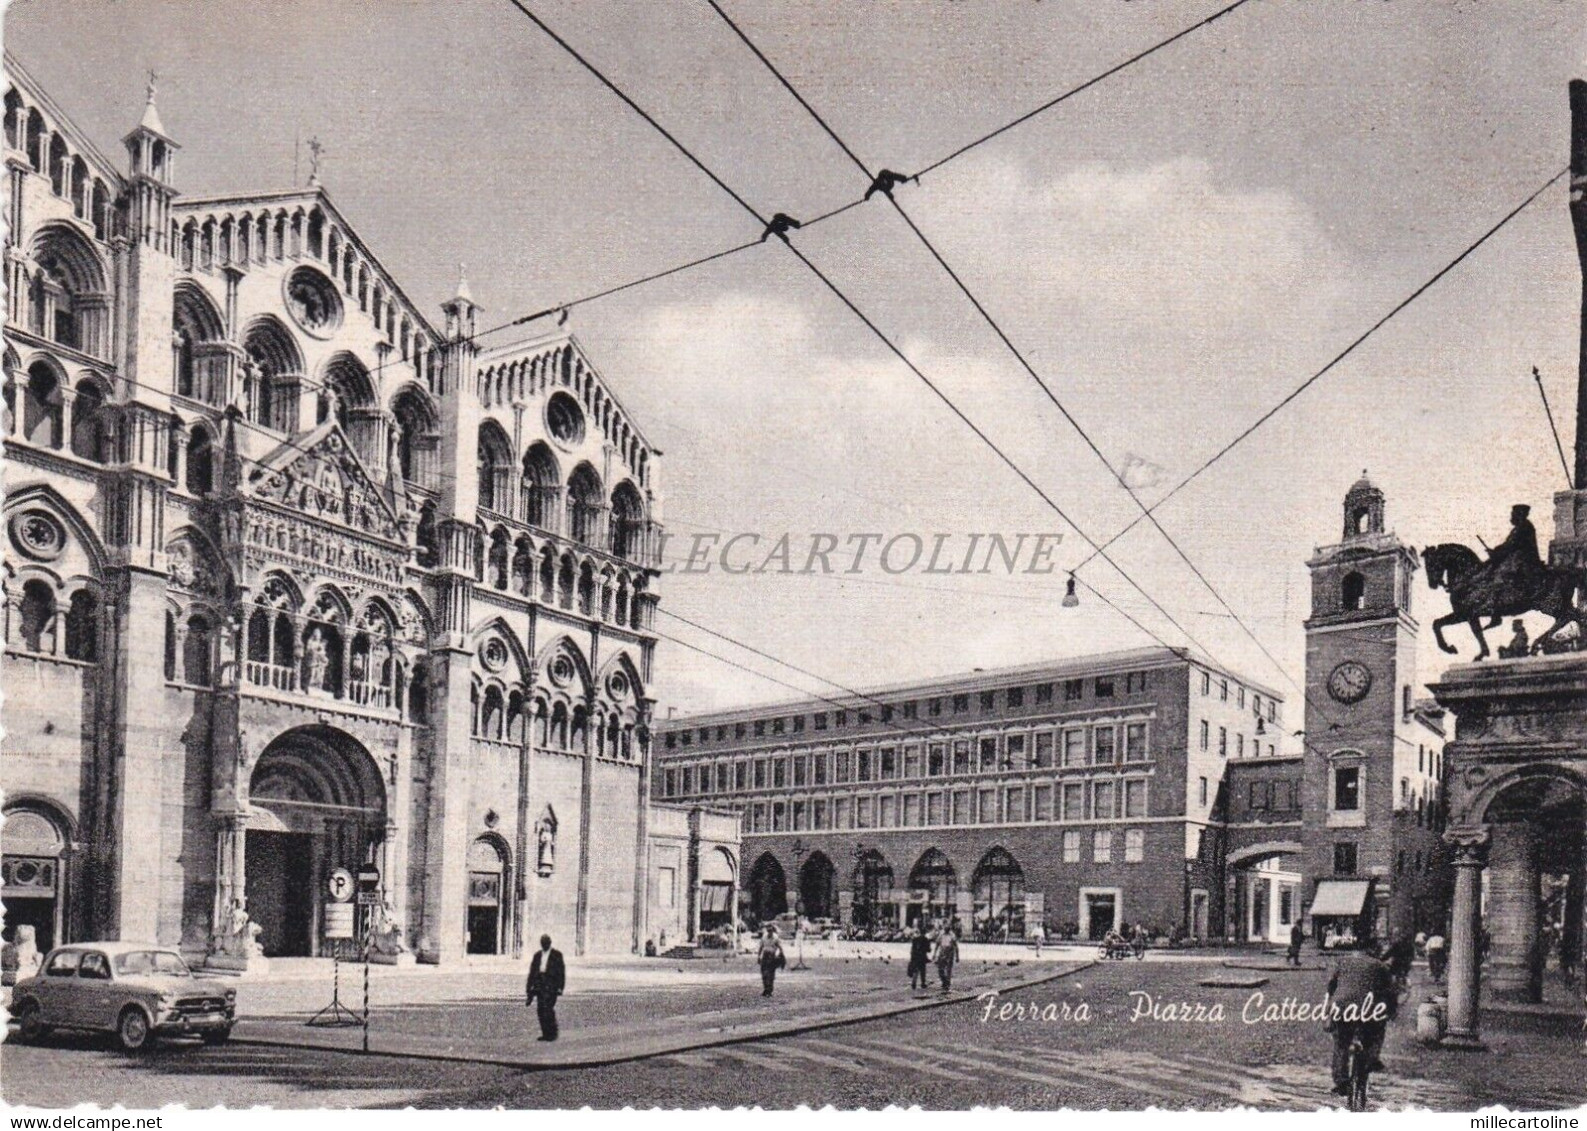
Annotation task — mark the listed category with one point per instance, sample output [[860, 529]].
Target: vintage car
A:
[[134, 990]]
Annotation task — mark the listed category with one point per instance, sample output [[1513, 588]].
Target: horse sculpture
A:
[[1477, 591]]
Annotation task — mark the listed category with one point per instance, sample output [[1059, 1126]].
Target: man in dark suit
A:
[[547, 979], [1362, 1000]]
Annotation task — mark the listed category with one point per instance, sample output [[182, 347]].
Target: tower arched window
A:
[[628, 521], [41, 407], [82, 627], [540, 485], [200, 462], [88, 422], [38, 617], [584, 504], [495, 463], [68, 295], [275, 364], [196, 651], [1353, 592]]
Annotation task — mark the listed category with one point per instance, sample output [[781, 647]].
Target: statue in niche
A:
[[318, 658], [546, 841]]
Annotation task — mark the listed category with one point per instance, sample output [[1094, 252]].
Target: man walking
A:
[[771, 960], [919, 955], [947, 954], [547, 978], [1297, 935]]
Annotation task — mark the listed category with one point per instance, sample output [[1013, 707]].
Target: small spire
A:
[[462, 286], [151, 116]]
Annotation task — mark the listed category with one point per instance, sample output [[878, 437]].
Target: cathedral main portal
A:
[[316, 804]]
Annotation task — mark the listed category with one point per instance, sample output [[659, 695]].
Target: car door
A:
[[93, 998], [57, 981]]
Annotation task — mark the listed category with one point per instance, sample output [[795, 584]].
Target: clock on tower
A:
[[1360, 681]]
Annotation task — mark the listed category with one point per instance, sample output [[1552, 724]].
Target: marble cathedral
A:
[[299, 581]]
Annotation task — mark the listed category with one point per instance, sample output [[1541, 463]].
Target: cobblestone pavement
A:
[[953, 1056]]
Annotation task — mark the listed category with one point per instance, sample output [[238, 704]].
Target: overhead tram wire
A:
[[1337, 358], [1100, 550], [838, 211], [1044, 107], [768, 228], [878, 183]]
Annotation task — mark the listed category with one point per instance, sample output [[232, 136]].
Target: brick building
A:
[[1080, 792], [298, 581], [1374, 802]]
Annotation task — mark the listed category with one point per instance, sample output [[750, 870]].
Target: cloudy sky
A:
[[1174, 250]]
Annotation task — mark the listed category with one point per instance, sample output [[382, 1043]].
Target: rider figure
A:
[[1114, 941], [1516, 561], [1362, 1000]]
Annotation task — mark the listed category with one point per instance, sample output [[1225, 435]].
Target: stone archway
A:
[[1264, 891], [818, 887], [316, 803], [768, 889], [1535, 878], [37, 837]]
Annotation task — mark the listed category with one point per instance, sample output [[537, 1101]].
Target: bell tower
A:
[[1360, 681]]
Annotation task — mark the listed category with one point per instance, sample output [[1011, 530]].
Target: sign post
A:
[[338, 926], [368, 896]]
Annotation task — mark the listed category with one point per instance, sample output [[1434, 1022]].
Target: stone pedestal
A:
[[1520, 751], [243, 965], [404, 959]]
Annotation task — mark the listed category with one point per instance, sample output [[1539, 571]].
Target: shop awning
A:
[[1341, 897]]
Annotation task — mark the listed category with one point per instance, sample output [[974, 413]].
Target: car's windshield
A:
[[165, 962]]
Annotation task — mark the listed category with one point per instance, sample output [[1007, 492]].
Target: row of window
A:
[[1103, 687], [1097, 800], [1258, 706], [1240, 747], [1099, 745]]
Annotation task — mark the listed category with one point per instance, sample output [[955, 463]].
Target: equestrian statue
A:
[[1514, 580]]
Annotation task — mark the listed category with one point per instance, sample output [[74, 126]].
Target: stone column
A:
[[1468, 847], [68, 395], [179, 440], [1513, 911]]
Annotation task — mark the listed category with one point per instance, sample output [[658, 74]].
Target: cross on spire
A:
[[316, 151]]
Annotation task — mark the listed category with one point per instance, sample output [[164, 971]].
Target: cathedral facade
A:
[[304, 591]]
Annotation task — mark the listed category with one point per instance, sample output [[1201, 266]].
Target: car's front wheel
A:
[[133, 1029], [30, 1021], [217, 1036]]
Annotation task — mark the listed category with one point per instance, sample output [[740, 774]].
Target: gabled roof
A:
[[314, 197], [80, 140], [273, 478]]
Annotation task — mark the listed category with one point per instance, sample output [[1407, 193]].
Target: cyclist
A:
[[1114, 943], [1362, 1001]]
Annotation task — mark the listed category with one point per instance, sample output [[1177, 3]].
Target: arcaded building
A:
[[298, 580], [1079, 794]]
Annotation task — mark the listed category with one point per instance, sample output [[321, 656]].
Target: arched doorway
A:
[[818, 886], [487, 896], [34, 873], [933, 888], [999, 886], [717, 881], [768, 889], [1534, 885], [316, 804], [873, 889], [1262, 900]]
